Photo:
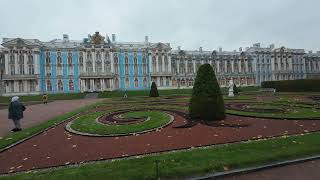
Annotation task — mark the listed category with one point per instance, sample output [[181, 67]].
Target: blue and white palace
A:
[[99, 64]]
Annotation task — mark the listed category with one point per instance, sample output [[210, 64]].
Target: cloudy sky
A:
[[187, 23]]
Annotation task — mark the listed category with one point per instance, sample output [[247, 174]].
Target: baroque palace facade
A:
[[96, 63]]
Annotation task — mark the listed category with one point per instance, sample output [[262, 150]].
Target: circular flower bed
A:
[[117, 123]]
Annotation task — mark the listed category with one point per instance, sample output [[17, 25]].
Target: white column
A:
[[157, 63], [150, 63], [169, 65], [194, 66], [101, 85], [225, 66], [240, 65], [178, 66], [163, 65], [16, 63], [6, 64], [112, 61], [103, 58], [36, 63], [25, 65], [94, 61], [218, 66], [232, 65], [185, 66], [84, 61]]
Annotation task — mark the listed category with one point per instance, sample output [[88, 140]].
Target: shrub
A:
[[206, 102], [293, 85], [236, 90], [154, 91]]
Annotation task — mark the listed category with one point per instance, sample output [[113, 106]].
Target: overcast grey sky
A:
[[186, 23]]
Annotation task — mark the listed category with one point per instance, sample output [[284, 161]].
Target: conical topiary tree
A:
[[206, 102], [236, 90], [154, 91]]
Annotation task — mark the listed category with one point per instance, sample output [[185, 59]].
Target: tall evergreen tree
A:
[[154, 91], [206, 102]]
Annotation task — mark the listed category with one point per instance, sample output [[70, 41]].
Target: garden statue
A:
[[125, 96], [231, 94]]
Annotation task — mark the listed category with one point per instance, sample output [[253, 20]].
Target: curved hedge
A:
[[298, 85]]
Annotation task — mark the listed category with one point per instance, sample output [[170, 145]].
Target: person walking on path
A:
[[45, 99], [16, 109]]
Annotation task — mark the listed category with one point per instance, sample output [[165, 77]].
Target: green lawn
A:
[[88, 124], [183, 164], [17, 136], [64, 96]]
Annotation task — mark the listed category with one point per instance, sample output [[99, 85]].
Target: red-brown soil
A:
[[56, 147]]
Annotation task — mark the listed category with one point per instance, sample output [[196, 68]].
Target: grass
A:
[[183, 164], [17, 136], [88, 124], [64, 96], [294, 113]]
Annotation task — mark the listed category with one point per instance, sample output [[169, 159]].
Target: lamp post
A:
[[1, 73]]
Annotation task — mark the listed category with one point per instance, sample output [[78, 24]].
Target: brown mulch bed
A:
[[56, 147]]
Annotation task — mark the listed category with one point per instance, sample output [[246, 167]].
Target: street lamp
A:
[[1, 73]]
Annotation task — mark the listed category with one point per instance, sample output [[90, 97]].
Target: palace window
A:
[[166, 64], [98, 56], [11, 65], [229, 68], [144, 82], [21, 64], [49, 85], [136, 82], [32, 86], [182, 67], [98, 66], [127, 82], [71, 86], [107, 63], [48, 59], [160, 63], [30, 64], [144, 69], [89, 67], [154, 64], [116, 65], [161, 81], [144, 60], [190, 66], [21, 86], [116, 82], [126, 64], [89, 56], [11, 86], [167, 81], [60, 85], [81, 62]]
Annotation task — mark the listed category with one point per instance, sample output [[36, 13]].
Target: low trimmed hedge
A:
[[299, 85]]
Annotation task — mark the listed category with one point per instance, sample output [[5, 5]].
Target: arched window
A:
[[21, 64], [182, 67], [116, 65], [49, 86], [166, 64], [89, 67], [136, 82], [144, 59], [144, 69], [30, 64], [11, 65], [71, 86], [161, 81], [48, 59], [154, 64], [160, 63], [70, 58], [116, 82], [60, 85], [98, 56], [135, 60], [127, 82], [144, 82], [59, 64], [190, 66], [98, 66], [21, 86], [81, 62]]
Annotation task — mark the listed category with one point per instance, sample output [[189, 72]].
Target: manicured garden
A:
[[172, 134]]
